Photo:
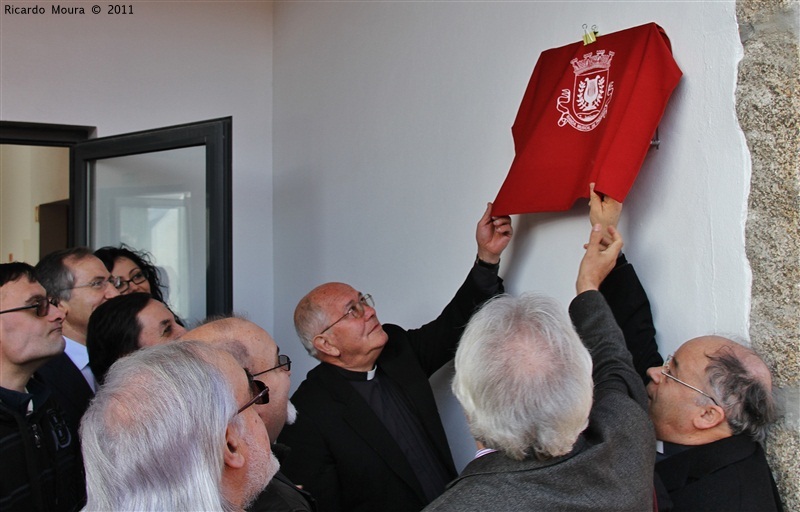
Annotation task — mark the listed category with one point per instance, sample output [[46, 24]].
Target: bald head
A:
[[257, 352], [735, 376], [752, 364], [309, 315], [338, 325]]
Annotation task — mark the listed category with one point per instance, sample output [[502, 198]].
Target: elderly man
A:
[[526, 383], [172, 428], [41, 468], [79, 281], [368, 434], [710, 403], [263, 359]]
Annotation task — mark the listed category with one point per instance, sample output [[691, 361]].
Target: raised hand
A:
[[599, 259], [493, 235]]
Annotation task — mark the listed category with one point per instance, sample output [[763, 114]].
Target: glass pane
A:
[[157, 202]]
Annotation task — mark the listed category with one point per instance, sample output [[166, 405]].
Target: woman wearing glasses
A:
[[135, 271]]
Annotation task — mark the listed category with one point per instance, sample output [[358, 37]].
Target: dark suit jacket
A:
[[281, 495], [69, 388], [341, 452], [728, 475]]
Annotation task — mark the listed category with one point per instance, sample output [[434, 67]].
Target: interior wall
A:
[[167, 63], [29, 176], [393, 129]]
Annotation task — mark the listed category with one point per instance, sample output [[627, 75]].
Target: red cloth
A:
[[588, 115]]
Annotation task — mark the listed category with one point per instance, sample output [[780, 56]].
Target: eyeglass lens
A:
[[259, 390]]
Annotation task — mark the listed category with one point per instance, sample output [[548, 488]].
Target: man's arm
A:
[[624, 292], [612, 364], [628, 301], [434, 343]]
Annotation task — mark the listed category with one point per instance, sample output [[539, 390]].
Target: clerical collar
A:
[[351, 375]]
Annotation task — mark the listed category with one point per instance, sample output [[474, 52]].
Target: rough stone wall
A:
[[768, 107]]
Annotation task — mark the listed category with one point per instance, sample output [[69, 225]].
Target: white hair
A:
[[523, 377], [153, 436]]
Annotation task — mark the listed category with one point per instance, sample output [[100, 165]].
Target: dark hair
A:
[[748, 403], [142, 259], [10, 272], [114, 331], [54, 275]]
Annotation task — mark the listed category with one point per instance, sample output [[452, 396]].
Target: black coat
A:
[[69, 388], [728, 475], [341, 451]]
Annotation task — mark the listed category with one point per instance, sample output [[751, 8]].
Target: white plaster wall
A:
[[392, 130], [167, 63]]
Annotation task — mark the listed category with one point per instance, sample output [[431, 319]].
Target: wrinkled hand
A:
[[605, 211], [599, 259], [493, 235]]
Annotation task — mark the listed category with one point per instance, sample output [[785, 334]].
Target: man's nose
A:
[[655, 374], [55, 314], [369, 311], [111, 291]]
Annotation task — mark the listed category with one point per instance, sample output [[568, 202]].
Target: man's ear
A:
[[323, 345], [710, 417], [234, 458]]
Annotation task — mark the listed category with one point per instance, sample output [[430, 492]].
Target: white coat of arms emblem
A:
[[587, 103]]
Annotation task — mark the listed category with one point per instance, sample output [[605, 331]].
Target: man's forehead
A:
[[694, 353], [260, 345], [88, 264], [23, 288], [337, 295]]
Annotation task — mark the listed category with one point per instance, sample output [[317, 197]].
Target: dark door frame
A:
[[46, 134]]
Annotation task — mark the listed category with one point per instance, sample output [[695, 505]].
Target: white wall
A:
[[167, 63], [392, 131]]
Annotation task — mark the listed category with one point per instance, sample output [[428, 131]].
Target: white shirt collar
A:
[[79, 356]]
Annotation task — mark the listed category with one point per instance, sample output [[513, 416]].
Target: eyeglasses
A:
[[124, 284], [42, 307], [665, 372], [283, 360], [355, 310], [99, 284], [259, 390]]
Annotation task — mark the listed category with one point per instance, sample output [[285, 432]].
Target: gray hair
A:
[[523, 377], [309, 320], [54, 275], [152, 437], [747, 400]]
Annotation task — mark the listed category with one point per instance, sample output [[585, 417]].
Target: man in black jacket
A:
[[368, 435], [41, 466], [711, 403]]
